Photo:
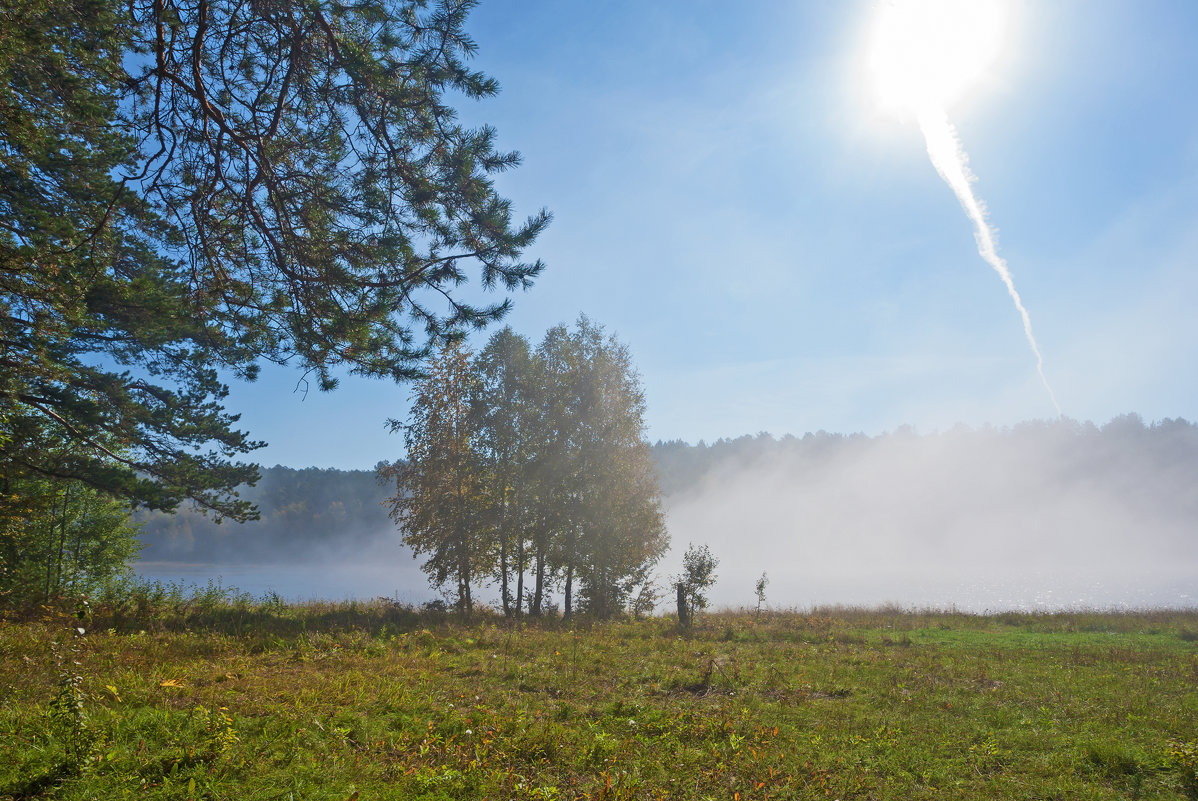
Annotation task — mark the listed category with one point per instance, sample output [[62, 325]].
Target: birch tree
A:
[[439, 487]]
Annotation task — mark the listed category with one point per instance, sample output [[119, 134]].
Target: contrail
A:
[[951, 161]]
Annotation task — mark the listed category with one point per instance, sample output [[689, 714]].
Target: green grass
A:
[[224, 697]]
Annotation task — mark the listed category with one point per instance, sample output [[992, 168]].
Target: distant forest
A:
[[311, 513]]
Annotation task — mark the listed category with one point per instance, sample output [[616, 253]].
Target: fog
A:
[[1040, 516], [323, 534]]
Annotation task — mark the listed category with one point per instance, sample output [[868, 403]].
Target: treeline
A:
[[1061, 449], [528, 469], [59, 538], [307, 512], [304, 515]]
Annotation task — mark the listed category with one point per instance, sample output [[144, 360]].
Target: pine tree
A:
[[192, 187], [107, 372]]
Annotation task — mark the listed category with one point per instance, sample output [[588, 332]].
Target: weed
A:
[[70, 724], [1184, 758], [219, 735]]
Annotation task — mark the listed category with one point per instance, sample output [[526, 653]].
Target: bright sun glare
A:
[[925, 53]]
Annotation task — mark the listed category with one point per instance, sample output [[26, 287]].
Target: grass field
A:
[[211, 698]]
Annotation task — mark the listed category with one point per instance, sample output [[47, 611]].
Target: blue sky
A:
[[781, 256]]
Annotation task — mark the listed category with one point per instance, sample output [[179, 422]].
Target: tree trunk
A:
[[463, 546], [78, 556], [569, 590], [49, 559], [539, 592], [469, 602], [600, 595], [62, 539], [505, 598], [684, 618], [503, 591], [520, 575]]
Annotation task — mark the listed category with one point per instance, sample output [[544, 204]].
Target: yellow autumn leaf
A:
[[112, 690], [170, 683]]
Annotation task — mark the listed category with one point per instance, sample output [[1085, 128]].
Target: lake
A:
[[1036, 590]]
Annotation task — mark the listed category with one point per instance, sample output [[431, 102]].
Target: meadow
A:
[[217, 696]]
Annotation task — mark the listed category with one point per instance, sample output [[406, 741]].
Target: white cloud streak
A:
[[951, 161]]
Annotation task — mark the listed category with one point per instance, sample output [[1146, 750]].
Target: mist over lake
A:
[[1041, 516]]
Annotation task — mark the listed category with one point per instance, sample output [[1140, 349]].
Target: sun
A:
[[924, 54]]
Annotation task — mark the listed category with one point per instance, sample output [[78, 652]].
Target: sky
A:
[[778, 252]]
